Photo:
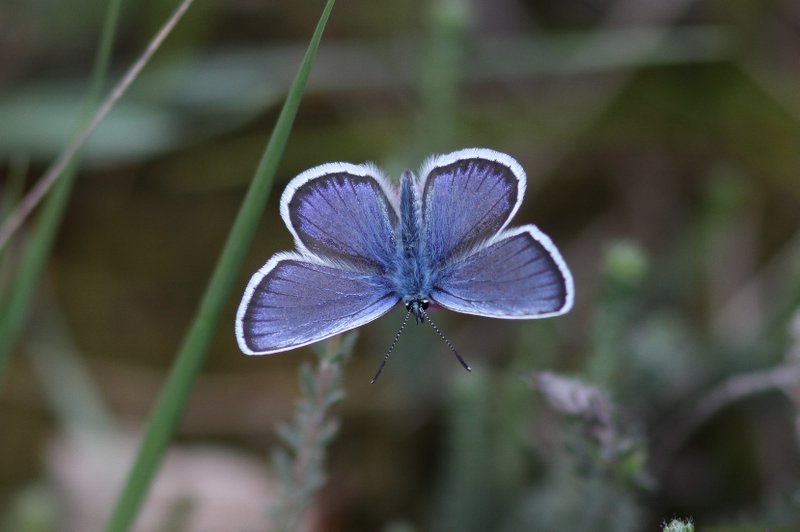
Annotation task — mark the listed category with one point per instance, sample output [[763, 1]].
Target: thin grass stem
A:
[[34, 197], [15, 313]]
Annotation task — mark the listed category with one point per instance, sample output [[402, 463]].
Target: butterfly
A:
[[365, 245]]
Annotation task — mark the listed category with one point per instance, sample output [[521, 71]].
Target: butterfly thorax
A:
[[412, 282]]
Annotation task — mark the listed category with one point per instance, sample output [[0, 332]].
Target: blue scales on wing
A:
[[291, 302], [342, 213], [519, 275], [467, 198]]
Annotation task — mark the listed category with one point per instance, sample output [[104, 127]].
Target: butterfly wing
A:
[[518, 275], [467, 197], [294, 300], [342, 212]]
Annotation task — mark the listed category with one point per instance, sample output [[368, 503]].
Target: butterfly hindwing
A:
[[341, 212], [518, 275], [294, 300]]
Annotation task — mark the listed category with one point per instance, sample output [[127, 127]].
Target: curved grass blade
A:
[[192, 353], [17, 307], [10, 192]]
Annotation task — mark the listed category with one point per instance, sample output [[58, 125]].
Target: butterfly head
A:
[[418, 306]]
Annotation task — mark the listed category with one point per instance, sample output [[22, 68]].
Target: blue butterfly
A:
[[363, 246]]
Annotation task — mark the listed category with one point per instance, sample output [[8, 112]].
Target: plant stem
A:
[[15, 312], [309, 435]]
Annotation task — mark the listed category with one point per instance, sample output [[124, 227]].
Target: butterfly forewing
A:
[[340, 212], [468, 196], [520, 275], [292, 302]]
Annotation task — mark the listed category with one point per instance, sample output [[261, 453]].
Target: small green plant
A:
[[300, 462], [679, 525]]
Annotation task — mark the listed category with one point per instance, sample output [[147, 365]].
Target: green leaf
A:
[[328, 431], [289, 435], [282, 465], [308, 382]]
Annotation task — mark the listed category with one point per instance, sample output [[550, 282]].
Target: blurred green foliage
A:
[[661, 146]]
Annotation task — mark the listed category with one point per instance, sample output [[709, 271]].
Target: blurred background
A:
[[662, 146]]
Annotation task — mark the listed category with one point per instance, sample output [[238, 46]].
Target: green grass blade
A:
[[15, 183], [14, 315], [70, 390], [192, 353], [9, 196], [68, 154]]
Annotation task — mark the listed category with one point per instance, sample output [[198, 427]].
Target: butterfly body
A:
[[413, 281], [363, 246]]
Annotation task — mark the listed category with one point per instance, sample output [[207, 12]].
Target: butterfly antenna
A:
[[443, 337], [391, 348]]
